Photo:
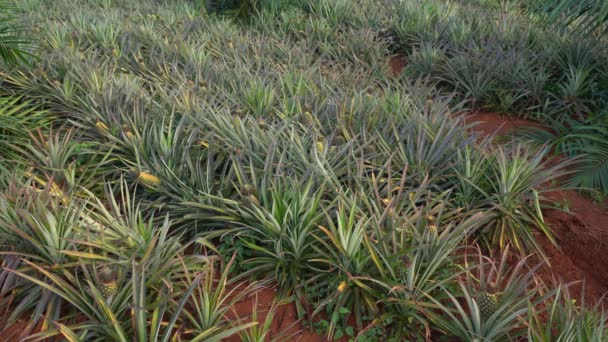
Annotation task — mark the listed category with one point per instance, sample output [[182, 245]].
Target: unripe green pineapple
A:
[[108, 286], [488, 304]]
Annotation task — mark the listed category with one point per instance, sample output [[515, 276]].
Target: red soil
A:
[[285, 323], [496, 123], [397, 63], [581, 233], [12, 333]]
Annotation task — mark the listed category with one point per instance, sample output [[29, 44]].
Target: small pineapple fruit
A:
[[369, 149], [250, 201], [411, 196], [428, 105], [309, 119], [339, 140], [247, 190], [343, 285], [107, 281], [148, 179], [488, 304], [431, 224], [130, 135], [320, 145], [102, 127]]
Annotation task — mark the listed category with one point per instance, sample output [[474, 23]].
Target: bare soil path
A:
[[582, 232]]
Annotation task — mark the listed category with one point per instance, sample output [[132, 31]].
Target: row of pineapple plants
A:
[[144, 156]]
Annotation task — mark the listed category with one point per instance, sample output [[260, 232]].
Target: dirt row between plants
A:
[[581, 232]]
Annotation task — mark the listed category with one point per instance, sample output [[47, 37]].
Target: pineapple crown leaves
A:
[[106, 274]]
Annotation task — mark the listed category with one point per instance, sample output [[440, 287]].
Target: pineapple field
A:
[[303, 170]]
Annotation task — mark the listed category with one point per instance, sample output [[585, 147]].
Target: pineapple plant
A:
[[502, 292]]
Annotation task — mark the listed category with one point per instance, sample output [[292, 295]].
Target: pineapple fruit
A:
[[369, 149], [428, 105], [250, 201], [343, 285], [488, 304], [148, 179], [320, 144], [108, 285], [102, 128], [339, 140], [309, 119]]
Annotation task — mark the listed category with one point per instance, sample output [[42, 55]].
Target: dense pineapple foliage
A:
[[163, 160]]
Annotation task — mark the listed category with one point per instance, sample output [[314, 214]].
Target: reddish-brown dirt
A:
[[285, 323], [12, 333], [582, 236], [581, 233], [397, 63], [496, 123]]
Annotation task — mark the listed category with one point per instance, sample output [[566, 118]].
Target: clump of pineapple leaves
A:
[[162, 161]]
